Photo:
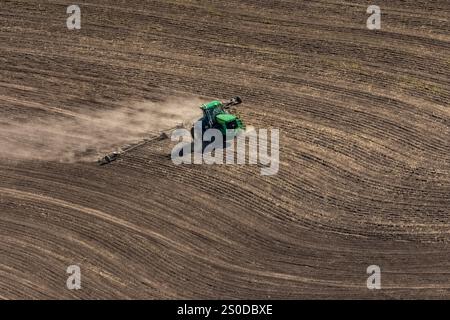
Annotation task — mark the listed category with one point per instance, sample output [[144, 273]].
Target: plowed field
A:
[[364, 175]]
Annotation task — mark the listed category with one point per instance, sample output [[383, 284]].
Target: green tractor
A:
[[217, 115]]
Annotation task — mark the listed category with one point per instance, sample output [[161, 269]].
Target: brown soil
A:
[[364, 125]]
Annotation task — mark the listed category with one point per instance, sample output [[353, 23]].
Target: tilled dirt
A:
[[364, 173]]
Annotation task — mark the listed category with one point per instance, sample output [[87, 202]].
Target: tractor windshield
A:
[[232, 124], [216, 111], [213, 112]]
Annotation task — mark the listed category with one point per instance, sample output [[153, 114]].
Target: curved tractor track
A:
[[364, 173]]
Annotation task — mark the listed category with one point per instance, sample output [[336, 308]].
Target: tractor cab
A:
[[216, 115]]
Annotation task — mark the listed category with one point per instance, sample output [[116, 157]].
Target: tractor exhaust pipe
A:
[[233, 102]]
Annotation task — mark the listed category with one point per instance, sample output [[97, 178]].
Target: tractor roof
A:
[[211, 105], [225, 117]]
